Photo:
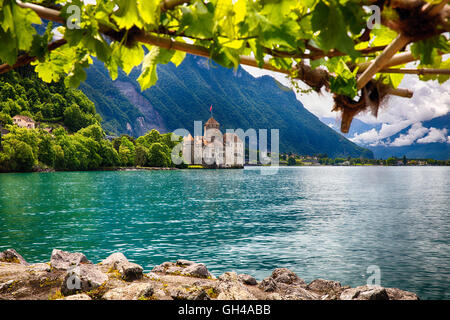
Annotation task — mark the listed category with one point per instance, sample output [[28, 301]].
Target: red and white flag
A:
[[210, 108]]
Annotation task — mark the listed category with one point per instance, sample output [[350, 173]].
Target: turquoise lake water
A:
[[321, 222]]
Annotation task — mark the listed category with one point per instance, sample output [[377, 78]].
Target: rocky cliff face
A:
[[71, 276]]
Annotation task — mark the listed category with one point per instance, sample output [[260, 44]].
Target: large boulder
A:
[[231, 288], [63, 260], [189, 293], [281, 278], [247, 279], [322, 286], [82, 278], [184, 268], [268, 285], [129, 271], [286, 276], [133, 291], [365, 293], [288, 285], [12, 256], [397, 294]]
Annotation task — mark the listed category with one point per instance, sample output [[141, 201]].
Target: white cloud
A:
[[434, 135], [374, 137], [415, 132], [430, 100]]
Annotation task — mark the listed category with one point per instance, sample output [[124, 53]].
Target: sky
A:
[[430, 100]]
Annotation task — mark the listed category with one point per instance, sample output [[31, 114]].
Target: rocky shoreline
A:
[[71, 276]]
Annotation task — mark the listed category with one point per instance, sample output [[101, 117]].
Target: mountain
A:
[[183, 95], [421, 140], [428, 139], [357, 126]]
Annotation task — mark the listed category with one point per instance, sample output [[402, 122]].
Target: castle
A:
[[214, 149]]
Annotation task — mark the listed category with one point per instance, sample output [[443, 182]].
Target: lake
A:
[[321, 222]]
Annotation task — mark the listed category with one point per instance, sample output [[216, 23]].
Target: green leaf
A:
[[428, 49], [149, 11], [16, 32], [329, 21], [197, 20], [149, 75], [131, 57], [345, 80], [127, 15], [178, 57]]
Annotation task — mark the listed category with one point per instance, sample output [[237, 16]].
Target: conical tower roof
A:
[[211, 121]]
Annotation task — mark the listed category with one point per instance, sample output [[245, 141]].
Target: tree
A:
[[126, 152], [108, 154], [5, 119], [19, 155], [157, 155], [291, 161], [329, 45], [47, 154], [142, 154], [405, 161], [149, 138], [75, 119], [391, 161], [94, 131]]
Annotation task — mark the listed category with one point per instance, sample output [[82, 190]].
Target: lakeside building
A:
[[214, 149], [24, 122]]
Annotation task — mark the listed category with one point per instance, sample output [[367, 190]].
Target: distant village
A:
[[323, 159]]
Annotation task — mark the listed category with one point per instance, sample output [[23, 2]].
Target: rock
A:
[[231, 288], [64, 260], [229, 276], [11, 256], [198, 270], [397, 294], [247, 279], [189, 293], [283, 275], [130, 271], [325, 286], [82, 278], [162, 268], [274, 296], [133, 291], [365, 293], [43, 267], [153, 276], [6, 285], [298, 293], [184, 268], [268, 285], [81, 296], [114, 259], [184, 263]]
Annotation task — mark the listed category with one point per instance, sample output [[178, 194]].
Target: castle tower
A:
[[211, 124], [212, 130]]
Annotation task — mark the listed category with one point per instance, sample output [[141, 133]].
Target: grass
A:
[[195, 167]]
